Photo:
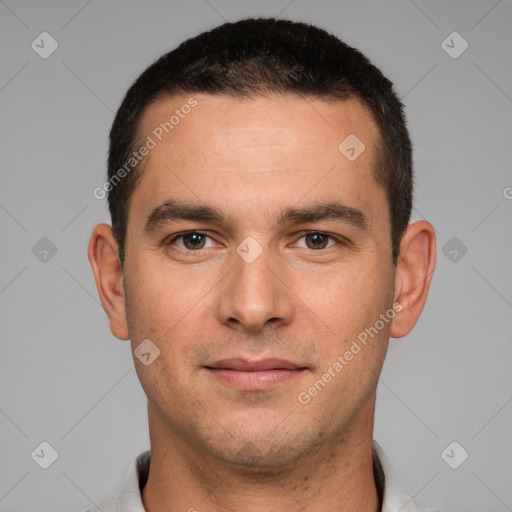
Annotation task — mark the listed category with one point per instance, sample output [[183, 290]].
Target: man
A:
[[259, 260]]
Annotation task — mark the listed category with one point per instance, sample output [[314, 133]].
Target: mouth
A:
[[254, 375]]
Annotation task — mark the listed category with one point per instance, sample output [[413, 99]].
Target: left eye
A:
[[317, 240], [191, 241]]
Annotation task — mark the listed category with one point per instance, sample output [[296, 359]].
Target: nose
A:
[[255, 295]]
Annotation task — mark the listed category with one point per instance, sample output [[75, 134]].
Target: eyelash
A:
[[339, 240]]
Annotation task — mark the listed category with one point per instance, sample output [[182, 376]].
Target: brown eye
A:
[[194, 241], [317, 240], [190, 241]]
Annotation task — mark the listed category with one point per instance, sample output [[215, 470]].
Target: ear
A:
[[103, 255], [415, 268]]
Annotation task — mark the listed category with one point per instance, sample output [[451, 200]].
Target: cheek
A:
[[158, 312], [348, 297], [157, 298], [353, 347], [172, 310]]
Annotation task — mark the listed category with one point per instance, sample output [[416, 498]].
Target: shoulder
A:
[[394, 498], [129, 497]]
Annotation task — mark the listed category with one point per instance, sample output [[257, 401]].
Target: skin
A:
[[216, 447]]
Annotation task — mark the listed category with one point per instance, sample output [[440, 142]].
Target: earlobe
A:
[[414, 272], [104, 259]]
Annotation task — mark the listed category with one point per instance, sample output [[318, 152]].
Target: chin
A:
[[262, 453], [252, 459]]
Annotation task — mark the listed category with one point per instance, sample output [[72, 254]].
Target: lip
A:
[[241, 364], [254, 375]]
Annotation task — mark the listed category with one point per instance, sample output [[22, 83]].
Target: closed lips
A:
[[254, 366]]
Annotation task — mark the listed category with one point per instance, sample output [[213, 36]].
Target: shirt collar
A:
[[394, 498]]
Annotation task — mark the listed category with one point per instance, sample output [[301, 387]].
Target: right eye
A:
[[191, 240]]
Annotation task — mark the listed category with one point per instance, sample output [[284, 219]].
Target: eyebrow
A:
[[325, 211], [172, 210]]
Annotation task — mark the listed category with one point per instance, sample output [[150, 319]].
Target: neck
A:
[[338, 476]]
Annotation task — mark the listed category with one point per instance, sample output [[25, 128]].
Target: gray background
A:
[[66, 380]]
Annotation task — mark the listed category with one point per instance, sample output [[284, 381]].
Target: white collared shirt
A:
[[394, 498]]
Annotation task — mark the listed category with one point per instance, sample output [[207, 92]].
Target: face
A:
[[257, 254]]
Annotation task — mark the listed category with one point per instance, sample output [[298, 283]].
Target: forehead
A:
[[280, 125], [257, 150]]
